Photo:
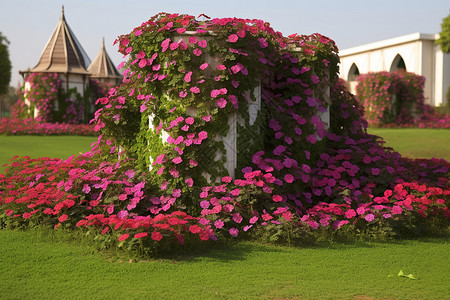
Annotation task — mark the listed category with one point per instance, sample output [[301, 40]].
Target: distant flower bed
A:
[[431, 120], [10, 126]]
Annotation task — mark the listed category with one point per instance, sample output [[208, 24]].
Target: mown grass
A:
[[38, 264], [41, 267], [417, 142], [42, 146]]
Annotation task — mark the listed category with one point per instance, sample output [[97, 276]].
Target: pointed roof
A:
[[102, 65], [63, 53]]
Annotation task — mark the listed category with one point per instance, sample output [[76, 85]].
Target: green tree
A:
[[444, 39], [5, 65]]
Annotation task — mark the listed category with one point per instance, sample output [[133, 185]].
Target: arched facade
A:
[[416, 53]]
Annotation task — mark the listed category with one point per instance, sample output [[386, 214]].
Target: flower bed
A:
[[15, 126]]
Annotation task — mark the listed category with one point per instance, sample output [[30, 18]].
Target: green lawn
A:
[[42, 146], [36, 267], [417, 142]]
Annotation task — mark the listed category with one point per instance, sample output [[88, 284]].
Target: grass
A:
[[417, 142], [42, 146], [41, 267]]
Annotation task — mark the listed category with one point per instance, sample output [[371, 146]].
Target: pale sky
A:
[[28, 24]]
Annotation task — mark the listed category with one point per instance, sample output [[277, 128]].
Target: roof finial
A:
[[103, 42], [62, 12]]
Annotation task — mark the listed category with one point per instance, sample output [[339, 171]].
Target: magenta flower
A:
[[195, 90], [233, 38], [203, 66], [218, 223], [221, 102], [234, 232], [197, 52], [288, 178], [165, 44], [202, 43], [192, 40], [187, 77], [277, 198]]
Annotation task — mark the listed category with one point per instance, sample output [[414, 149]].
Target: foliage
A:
[[393, 98], [157, 175], [5, 65], [444, 35]]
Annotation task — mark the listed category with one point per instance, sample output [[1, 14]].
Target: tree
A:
[[444, 39], [5, 65]]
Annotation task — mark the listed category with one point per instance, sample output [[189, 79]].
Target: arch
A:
[[353, 73], [398, 64]]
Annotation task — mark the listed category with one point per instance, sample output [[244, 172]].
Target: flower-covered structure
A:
[[78, 80], [392, 97], [197, 94]]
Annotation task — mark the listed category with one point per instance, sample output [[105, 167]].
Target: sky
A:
[[28, 24]]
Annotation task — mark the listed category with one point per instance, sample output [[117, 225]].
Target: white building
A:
[[416, 53]]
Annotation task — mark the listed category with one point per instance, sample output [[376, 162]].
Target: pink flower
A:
[[123, 237], [207, 118], [183, 94], [218, 223], [221, 102], [227, 179], [138, 32], [204, 204], [174, 46], [187, 77], [361, 210], [192, 40], [277, 198], [203, 135], [204, 66], [157, 236], [234, 232], [237, 218], [189, 182], [253, 220], [396, 210], [369, 217], [202, 44], [195, 89], [197, 52], [233, 38], [165, 44]]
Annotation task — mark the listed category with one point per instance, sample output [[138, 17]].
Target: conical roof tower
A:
[[102, 68], [63, 53]]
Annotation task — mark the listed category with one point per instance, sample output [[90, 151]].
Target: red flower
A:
[[62, 218], [157, 236], [123, 237], [140, 235]]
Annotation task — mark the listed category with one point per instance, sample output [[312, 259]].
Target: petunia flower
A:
[[233, 38]]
